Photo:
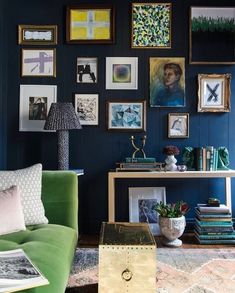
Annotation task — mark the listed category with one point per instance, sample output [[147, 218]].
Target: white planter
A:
[[170, 163], [171, 229]]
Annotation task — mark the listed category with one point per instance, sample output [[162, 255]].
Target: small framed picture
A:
[[90, 24], [37, 34], [38, 62], [167, 81], [214, 92], [151, 25], [87, 108], [126, 115], [122, 73], [178, 125], [86, 70], [141, 205], [35, 102]]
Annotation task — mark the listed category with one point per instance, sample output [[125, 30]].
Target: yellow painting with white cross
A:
[[91, 24]]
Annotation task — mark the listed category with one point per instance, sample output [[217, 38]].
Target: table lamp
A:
[[62, 117]]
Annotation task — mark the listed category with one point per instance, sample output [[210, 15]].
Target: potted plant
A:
[[172, 221], [171, 151]]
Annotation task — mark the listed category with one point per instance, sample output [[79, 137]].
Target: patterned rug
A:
[[178, 270]]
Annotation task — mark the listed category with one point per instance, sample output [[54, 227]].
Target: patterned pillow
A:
[[29, 181], [11, 212]]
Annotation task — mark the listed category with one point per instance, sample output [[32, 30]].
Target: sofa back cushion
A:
[[11, 212], [29, 182]]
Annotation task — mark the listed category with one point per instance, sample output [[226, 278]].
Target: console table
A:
[[154, 174]]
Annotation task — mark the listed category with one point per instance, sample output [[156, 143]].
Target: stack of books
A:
[[140, 164], [214, 225]]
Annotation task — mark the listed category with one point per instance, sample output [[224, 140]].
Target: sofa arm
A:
[[60, 197]]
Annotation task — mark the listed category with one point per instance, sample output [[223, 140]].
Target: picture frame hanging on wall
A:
[[151, 25], [178, 125], [167, 81], [38, 62], [87, 108], [37, 34], [214, 92], [90, 24], [141, 203], [212, 35], [126, 115], [35, 102], [86, 70], [122, 73]]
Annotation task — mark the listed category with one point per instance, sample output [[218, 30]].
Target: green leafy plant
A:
[[172, 210]]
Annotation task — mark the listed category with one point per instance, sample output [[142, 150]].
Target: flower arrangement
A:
[[170, 150], [172, 210]]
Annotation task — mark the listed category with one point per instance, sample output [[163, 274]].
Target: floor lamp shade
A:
[[62, 117]]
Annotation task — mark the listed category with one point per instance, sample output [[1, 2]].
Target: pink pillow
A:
[[11, 212]]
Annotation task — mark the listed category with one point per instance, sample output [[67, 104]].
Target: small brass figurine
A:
[[140, 149]]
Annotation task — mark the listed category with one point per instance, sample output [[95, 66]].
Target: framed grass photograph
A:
[[87, 108], [122, 73], [35, 102], [151, 25], [86, 70], [212, 35], [126, 115], [141, 205], [90, 24], [214, 92], [178, 125], [167, 81], [37, 34], [38, 62]]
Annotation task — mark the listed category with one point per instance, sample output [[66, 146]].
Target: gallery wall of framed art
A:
[[97, 55]]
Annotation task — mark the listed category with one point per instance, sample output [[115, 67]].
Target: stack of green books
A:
[[214, 225]]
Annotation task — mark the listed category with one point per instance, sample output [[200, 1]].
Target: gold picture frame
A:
[[90, 24], [38, 62], [178, 125], [214, 92], [37, 34]]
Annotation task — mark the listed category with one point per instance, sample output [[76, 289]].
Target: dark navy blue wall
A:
[[94, 148]]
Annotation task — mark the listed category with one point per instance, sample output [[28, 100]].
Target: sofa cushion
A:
[[11, 212], [29, 182], [50, 247]]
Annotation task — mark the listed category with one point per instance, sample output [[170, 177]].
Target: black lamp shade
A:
[[62, 116]]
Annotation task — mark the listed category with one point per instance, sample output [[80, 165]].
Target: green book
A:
[[215, 241], [215, 236], [140, 160], [213, 230], [214, 223]]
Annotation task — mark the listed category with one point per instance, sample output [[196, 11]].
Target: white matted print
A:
[[122, 73], [141, 203], [38, 62], [178, 125], [35, 102], [86, 70], [87, 108]]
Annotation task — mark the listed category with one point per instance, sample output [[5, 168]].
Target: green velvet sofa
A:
[[51, 246]]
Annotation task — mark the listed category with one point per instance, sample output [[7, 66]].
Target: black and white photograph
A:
[[86, 70], [37, 108], [214, 92], [87, 108], [178, 125], [141, 205], [35, 102]]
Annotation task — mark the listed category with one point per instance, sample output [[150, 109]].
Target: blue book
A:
[[214, 223], [215, 236], [215, 241]]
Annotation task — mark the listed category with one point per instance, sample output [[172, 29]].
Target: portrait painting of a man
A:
[[167, 82]]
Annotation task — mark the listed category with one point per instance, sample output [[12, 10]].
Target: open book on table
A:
[[17, 272]]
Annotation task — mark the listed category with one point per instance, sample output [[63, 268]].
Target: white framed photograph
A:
[[38, 62], [122, 73], [87, 108], [141, 203], [178, 125], [86, 70], [35, 102]]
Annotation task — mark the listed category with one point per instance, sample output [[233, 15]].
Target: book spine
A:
[[140, 160], [204, 159], [210, 236], [216, 241], [199, 164], [215, 224]]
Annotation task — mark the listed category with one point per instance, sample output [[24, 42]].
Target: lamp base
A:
[[63, 149]]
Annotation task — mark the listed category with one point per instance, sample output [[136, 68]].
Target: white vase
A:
[[170, 163], [171, 229]]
